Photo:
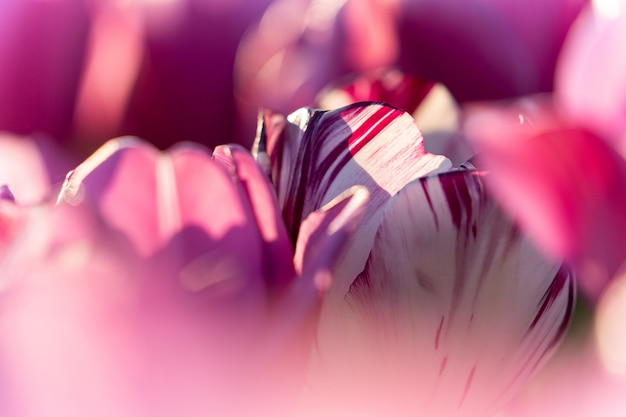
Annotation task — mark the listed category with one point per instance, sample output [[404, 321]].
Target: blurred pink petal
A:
[[164, 327], [32, 167], [590, 82], [564, 185]]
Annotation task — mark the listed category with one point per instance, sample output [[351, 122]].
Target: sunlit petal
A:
[[316, 155]]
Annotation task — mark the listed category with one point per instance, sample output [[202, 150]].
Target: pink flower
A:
[[164, 283], [441, 306]]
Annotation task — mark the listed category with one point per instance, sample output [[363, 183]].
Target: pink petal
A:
[[564, 185], [590, 82], [454, 311], [120, 180], [277, 250], [181, 206]]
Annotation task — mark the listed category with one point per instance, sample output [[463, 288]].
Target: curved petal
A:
[[277, 250], [564, 185], [453, 312], [181, 205], [318, 155], [109, 179], [590, 82]]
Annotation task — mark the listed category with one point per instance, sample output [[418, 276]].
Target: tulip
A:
[[163, 283], [440, 306]]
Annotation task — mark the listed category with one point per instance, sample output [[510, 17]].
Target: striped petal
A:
[[454, 311], [316, 155]]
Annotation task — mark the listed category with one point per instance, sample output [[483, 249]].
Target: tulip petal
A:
[[109, 178], [277, 250], [564, 186], [318, 155], [454, 310], [173, 212]]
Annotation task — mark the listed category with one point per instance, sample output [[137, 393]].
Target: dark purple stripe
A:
[[468, 384], [424, 183], [438, 333]]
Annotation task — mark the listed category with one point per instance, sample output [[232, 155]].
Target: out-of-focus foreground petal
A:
[[454, 311], [317, 155], [590, 82], [150, 281], [564, 185]]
